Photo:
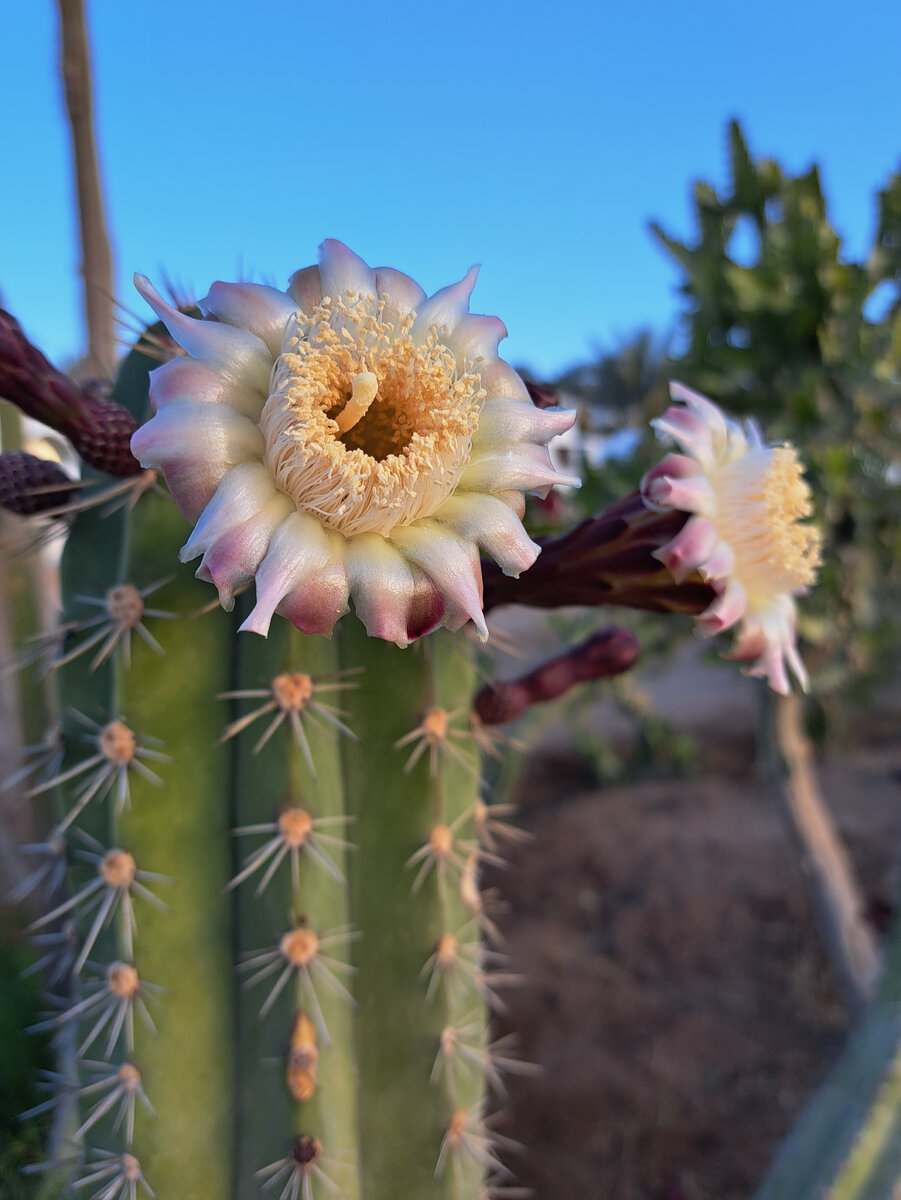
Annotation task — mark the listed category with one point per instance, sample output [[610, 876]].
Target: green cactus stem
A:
[[301, 1003]]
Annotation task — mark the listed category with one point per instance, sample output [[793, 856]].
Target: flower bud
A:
[[99, 429], [610, 652], [607, 559], [30, 485]]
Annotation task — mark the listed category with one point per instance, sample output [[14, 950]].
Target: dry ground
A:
[[674, 993]]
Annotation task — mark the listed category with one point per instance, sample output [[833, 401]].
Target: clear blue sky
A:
[[535, 138]]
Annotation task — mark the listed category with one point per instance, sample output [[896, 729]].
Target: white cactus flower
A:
[[745, 536], [349, 439]]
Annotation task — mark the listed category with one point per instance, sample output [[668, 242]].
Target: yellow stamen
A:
[[761, 501], [795, 547], [361, 466]]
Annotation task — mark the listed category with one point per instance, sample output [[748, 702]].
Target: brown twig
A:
[[96, 252], [835, 895]]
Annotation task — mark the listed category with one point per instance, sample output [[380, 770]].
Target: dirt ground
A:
[[674, 994]]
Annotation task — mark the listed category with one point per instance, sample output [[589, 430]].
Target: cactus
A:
[[270, 964], [303, 997]]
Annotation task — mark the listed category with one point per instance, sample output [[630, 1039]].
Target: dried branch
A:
[[96, 252]]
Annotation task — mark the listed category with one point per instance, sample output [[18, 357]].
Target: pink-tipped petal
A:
[[705, 409], [381, 587], [692, 494], [232, 561], [453, 567], [689, 430], [343, 271], [427, 610], [672, 466], [265, 311], [402, 295], [477, 338], [489, 523], [446, 307], [242, 493], [750, 643], [318, 603], [298, 550], [771, 667], [239, 352], [723, 613], [720, 563], [515, 501], [505, 420], [499, 379], [691, 546], [305, 288], [195, 445], [189, 379]]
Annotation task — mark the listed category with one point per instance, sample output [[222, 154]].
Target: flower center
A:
[[761, 501], [365, 426]]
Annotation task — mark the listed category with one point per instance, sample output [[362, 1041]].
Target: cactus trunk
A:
[[316, 979]]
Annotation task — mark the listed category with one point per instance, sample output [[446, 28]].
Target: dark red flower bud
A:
[[30, 485], [607, 559], [604, 654], [99, 429], [102, 436], [542, 395]]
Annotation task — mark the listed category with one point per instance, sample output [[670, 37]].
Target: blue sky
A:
[[535, 138]]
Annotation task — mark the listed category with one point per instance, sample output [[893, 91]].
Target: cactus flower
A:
[[349, 439], [745, 535]]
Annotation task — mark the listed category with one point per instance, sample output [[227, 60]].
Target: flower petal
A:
[[195, 445], [677, 482], [499, 379], [489, 523], [402, 295], [729, 607], [305, 288], [476, 338], [712, 416], [453, 567], [298, 550], [381, 586], [232, 560], [507, 420], [317, 604], [446, 307], [189, 379], [343, 271], [239, 352], [692, 545], [241, 494], [265, 311], [527, 468], [427, 608]]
